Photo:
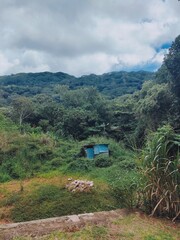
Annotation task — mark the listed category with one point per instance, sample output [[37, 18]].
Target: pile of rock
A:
[[80, 186]]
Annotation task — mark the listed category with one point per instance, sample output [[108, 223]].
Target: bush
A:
[[103, 161], [56, 162], [11, 199], [127, 164], [4, 177], [125, 189], [81, 164]]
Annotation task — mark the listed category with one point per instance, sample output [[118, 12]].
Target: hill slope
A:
[[111, 84]]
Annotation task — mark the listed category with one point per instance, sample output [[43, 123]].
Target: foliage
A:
[[24, 155], [111, 84], [125, 188], [80, 164], [172, 62], [169, 72], [103, 161], [58, 113], [4, 177], [56, 162], [161, 163], [154, 104], [127, 164], [22, 108], [6, 125]]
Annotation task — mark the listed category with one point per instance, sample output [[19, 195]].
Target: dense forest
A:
[[112, 84], [45, 118]]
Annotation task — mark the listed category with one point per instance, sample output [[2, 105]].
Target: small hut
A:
[[92, 150]]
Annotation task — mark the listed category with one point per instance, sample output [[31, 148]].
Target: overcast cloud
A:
[[85, 36]]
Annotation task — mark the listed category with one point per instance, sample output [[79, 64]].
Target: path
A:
[[67, 223]]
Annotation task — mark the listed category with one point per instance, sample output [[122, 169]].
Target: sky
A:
[[80, 37]]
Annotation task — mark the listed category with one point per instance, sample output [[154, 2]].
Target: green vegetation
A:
[[39, 155], [46, 118], [111, 84], [161, 170], [52, 201]]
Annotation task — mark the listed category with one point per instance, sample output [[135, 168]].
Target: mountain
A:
[[112, 84]]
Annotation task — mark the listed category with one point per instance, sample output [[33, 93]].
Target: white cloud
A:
[[158, 57], [5, 64], [84, 36]]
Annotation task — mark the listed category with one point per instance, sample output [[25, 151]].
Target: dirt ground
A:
[[67, 223]]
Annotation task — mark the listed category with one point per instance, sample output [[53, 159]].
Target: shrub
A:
[[125, 188], [81, 164], [127, 164], [103, 161], [11, 199], [56, 162], [4, 177]]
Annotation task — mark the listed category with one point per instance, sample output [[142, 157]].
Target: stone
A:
[[74, 218]]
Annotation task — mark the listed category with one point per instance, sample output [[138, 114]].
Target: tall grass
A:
[[161, 169]]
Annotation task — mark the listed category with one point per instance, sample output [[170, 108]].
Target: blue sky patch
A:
[[163, 46]]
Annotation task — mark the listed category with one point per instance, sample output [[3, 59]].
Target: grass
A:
[[42, 164], [161, 163], [132, 227], [51, 201], [46, 196]]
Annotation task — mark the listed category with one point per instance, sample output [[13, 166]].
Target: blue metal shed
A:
[[89, 153], [93, 150]]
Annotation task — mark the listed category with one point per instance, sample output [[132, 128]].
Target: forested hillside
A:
[[112, 84], [45, 119]]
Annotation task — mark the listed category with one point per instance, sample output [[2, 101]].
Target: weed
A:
[[159, 236], [11, 199]]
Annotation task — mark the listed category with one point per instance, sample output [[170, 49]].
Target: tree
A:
[[79, 123], [170, 73], [171, 67], [22, 109], [123, 121], [154, 104]]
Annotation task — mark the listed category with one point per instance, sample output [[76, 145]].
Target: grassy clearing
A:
[[39, 191], [45, 196], [132, 227]]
